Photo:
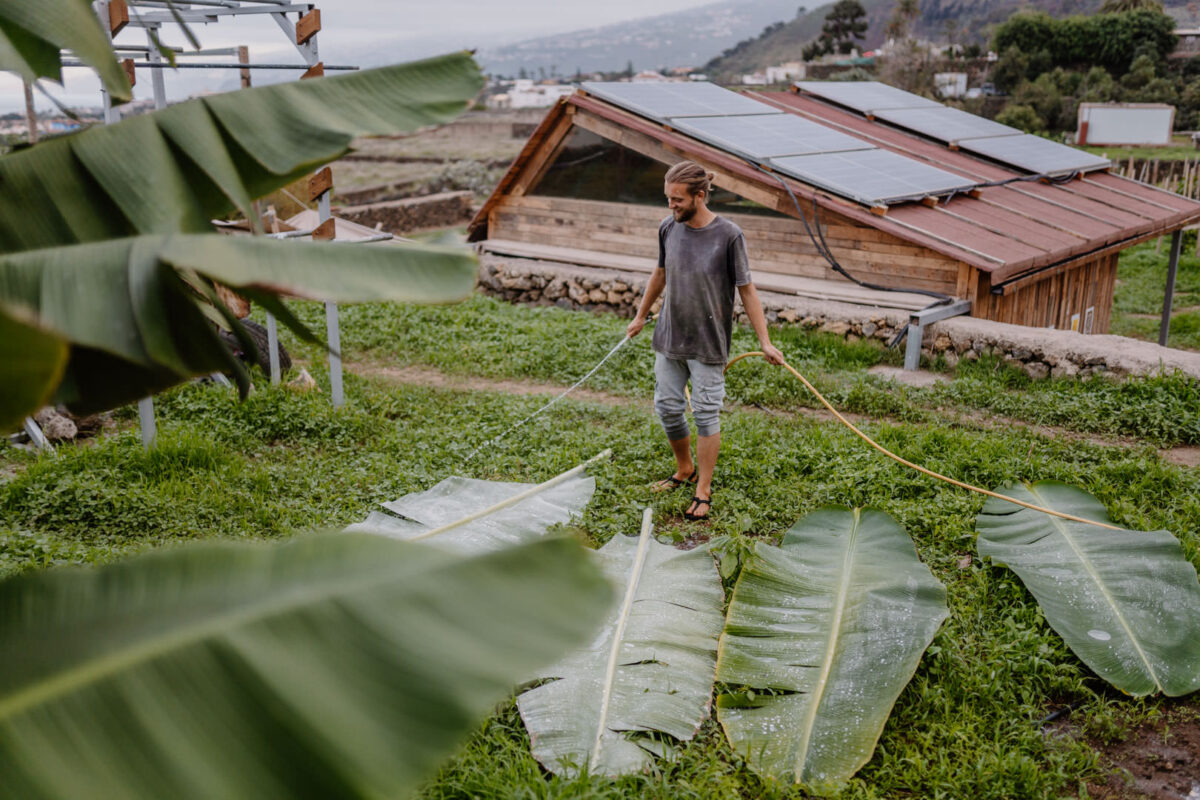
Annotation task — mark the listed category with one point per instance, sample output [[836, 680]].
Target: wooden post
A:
[[244, 58], [31, 115]]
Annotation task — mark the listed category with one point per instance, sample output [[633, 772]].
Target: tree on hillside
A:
[[845, 23], [903, 16]]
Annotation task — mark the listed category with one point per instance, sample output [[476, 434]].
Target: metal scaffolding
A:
[[153, 16]]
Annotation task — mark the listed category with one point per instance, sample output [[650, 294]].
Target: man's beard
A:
[[684, 214]]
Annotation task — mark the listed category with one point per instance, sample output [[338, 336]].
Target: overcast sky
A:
[[366, 33]]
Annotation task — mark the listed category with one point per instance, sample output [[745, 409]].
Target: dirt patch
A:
[[914, 377], [1159, 761], [1182, 456], [424, 376]]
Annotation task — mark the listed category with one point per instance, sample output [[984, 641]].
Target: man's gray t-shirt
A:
[[703, 265]]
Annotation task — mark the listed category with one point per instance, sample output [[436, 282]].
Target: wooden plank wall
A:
[[775, 244], [1054, 300]]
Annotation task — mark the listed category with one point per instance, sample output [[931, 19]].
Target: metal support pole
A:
[[273, 348], [146, 419], [1169, 297], [332, 331], [156, 75], [927, 316], [34, 431], [912, 347]]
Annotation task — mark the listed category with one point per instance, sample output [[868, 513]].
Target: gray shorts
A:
[[708, 393]]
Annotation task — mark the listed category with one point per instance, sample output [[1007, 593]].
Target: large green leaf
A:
[[31, 365], [32, 32], [474, 516], [823, 633], [136, 326], [649, 670], [176, 169], [331, 666], [1126, 602]]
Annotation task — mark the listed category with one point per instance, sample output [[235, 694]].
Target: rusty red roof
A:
[[1007, 231]]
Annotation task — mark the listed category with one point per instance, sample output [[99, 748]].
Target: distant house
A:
[[650, 76], [1034, 245], [525, 93], [1188, 44]]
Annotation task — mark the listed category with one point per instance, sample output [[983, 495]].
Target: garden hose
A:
[[918, 467]]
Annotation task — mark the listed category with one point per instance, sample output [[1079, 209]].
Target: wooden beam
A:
[[244, 58], [308, 26], [127, 65], [317, 70], [543, 157], [118, 16], [325, 231], [320, 183]]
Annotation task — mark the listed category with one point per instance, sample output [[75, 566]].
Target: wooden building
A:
[[587, 190]]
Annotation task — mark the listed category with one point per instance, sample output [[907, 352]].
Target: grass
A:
[[966, 725], [1181, 148], [488, 338], [1141, 281]]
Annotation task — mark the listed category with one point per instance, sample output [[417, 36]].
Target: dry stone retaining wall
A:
[[1040, 352], [415, 213]]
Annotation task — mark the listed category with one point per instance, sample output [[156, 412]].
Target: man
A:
[[701, 258]]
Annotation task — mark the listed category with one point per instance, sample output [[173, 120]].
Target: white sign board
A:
[[1138, 124]]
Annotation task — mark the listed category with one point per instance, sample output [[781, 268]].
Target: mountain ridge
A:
[[682, 38]]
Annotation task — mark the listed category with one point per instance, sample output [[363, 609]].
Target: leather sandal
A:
[[667, 484], [697, 501]]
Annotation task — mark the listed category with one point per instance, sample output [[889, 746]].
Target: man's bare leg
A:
[[707, 448], [685, 468]]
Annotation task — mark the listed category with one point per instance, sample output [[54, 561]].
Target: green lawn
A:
[[1180, 149], [966, 726], [1141, 283]]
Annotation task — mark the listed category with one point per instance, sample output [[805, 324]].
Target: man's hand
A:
[[772, 353], [635, 327]]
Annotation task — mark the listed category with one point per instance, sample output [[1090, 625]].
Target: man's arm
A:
[[654, 288], [754, 311]]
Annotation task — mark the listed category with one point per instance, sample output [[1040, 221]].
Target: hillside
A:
[[688, 38], [974, 19]]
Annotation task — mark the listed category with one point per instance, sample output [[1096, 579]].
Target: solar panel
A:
[[802, 148], [762, 136], [1035, 154], [873, 177], [664, 101], [949, 125], [867, 97]]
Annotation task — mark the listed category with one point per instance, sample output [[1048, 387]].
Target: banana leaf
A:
[[135, 321], [32, 32], [1126, 602], [176, 169], [330, 666], [31, 365], [474, 516], [822, 635], [648, 672]]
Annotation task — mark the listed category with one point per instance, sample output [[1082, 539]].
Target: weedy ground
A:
[[1141, 280], [968, 725]]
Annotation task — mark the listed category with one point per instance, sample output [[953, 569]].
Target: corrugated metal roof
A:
[[1025, 225]]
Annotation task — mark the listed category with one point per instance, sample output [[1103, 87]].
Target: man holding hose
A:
[[701, 259]]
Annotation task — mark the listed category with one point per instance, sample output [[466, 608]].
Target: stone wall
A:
[[1040, 352], [400, 216]]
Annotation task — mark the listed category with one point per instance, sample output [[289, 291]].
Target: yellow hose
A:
[[918, 467]]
